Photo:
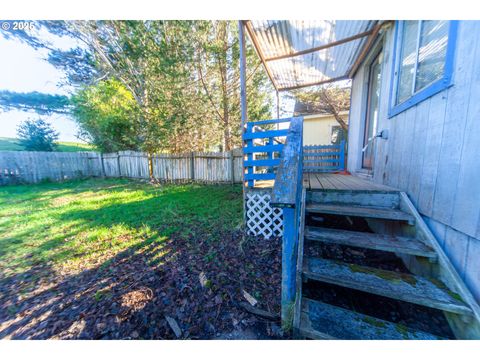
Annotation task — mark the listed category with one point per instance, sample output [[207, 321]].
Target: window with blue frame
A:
[[423, 65]]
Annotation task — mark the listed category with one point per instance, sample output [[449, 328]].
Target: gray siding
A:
[[433, 151]]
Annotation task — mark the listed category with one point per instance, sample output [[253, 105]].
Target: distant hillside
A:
[[65, 146]]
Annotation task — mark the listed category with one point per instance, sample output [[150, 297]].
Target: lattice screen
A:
[[261, 218]]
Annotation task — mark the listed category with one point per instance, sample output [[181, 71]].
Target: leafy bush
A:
[[108, 116]]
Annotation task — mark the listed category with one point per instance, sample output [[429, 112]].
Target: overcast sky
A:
[[24, 69]]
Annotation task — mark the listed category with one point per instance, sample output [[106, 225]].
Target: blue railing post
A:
[[251, 182], [289, 263], [254, 131], [287, 194], [342, 155]]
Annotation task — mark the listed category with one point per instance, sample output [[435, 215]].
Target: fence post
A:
[[103, 165], [118, 164], [192, 165], [232, 168]]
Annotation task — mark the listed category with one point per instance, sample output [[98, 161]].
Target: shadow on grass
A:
[[115, 218], [127, 294]]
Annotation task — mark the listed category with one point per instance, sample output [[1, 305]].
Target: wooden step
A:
[[324, 321], [384, 199], [394, 244], [361, 211], [399, 286]]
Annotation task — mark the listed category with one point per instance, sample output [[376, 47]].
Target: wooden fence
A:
[[18, 167]]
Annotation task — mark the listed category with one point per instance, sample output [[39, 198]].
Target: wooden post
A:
[[232, 166], [243, 78], [243, 89], [118, 164], [278, 107], [342, 155], [103, 165], [289, 263], [192, 165], [287, 194], [243, 102], [250, 156]]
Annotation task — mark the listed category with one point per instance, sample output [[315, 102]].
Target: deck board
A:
[[330, 181], [325, 181], [314, 182], [335, 182]]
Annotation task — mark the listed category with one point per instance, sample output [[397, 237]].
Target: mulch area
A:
[[197, 284]]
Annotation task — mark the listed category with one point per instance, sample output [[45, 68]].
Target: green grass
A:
[[9, 144], [79, 223], [67, 146]]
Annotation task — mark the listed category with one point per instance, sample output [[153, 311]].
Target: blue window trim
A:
[[432, 89]]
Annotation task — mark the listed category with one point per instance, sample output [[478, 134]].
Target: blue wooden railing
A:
[[265, 155], [287, 194], [263, 146], [324, 158]]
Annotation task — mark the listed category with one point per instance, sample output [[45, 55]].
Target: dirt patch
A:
[[129, 296]]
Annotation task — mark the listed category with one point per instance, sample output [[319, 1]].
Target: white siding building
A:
[[430, 125]]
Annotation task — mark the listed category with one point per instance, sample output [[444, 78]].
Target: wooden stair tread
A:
[[399, 286], [362, 211], [395, 244], [324, 321]]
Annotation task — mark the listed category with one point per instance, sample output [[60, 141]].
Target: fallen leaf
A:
[[203, 279], [249, 298], [174, 326]]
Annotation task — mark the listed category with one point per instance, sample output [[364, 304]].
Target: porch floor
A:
[[342, 182], [332, 182]]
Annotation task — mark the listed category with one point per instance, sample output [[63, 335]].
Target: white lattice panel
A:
[[261, 218]]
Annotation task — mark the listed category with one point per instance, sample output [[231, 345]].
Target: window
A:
[[423, 61]]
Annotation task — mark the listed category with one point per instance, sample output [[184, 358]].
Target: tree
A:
[[182, 75], [106, 113], [330, 99], [218, 66], [37, 135], [41, 103]]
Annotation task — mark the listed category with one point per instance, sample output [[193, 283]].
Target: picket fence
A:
[[17, 167]]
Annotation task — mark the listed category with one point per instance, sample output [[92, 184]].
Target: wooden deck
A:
[[334, 182]]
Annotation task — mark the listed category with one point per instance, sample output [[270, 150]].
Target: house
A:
[[319, 128], [413, 159]]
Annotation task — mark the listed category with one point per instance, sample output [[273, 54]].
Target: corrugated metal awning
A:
[[305, 53]]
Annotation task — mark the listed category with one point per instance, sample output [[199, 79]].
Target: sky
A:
[[23, 69]]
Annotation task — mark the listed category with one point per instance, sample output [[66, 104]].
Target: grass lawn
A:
[[9, 144], [79, 222], [113, 258]]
